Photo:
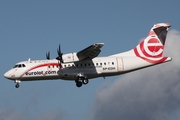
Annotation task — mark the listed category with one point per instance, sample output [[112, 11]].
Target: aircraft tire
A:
[[17, 85], [85, 81], [78, 84]]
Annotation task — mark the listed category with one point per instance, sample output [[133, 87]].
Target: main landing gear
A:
[[81, 79], [17, 83]]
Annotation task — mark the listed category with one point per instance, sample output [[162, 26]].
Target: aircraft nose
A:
[[7, 75]]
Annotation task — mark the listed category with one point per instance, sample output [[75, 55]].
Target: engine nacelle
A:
[[70, 57]]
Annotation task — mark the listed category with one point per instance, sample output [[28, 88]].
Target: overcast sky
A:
[[28, 29]]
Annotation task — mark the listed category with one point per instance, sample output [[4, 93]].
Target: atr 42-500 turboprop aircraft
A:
[[85, 65]]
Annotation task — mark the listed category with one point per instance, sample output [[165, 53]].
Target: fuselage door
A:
[[120, 64]]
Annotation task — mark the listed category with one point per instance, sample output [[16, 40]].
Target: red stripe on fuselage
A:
[[39, 66]]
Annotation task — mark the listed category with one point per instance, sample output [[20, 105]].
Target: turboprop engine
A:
[[70, 57]]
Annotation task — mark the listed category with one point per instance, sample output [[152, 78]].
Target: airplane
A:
[[84, 65]]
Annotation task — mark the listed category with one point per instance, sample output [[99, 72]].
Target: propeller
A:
[[48, 55], [59, 54]]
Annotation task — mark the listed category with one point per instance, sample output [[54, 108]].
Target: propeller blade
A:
[[59, 50], [48, 55], [59, 54]]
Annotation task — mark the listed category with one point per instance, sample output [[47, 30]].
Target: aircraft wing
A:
[[90, 52]]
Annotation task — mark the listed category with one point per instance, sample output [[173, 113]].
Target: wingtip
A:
[[102, 44]]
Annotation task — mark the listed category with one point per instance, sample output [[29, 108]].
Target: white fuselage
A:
[[97, 67], [85, 64]]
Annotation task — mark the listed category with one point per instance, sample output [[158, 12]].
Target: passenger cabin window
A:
[[76, 65]]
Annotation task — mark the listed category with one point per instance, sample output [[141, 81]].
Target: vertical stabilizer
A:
[[152, 47], [153, 44]]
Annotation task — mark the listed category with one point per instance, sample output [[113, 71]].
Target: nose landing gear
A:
[[17, 83]]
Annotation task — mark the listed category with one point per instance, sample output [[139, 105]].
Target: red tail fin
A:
[[153, 44], [152, 47]]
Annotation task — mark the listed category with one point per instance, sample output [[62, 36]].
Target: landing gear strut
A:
[[17, 83]]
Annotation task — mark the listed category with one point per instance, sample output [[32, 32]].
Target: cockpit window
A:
[[23, 65], [19, 66], [15, 66]]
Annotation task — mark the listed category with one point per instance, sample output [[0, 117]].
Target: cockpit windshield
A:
[[15, 66], [19, 66]]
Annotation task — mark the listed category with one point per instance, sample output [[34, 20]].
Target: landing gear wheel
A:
[[85, 81], [17, 85], [78, 84]]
